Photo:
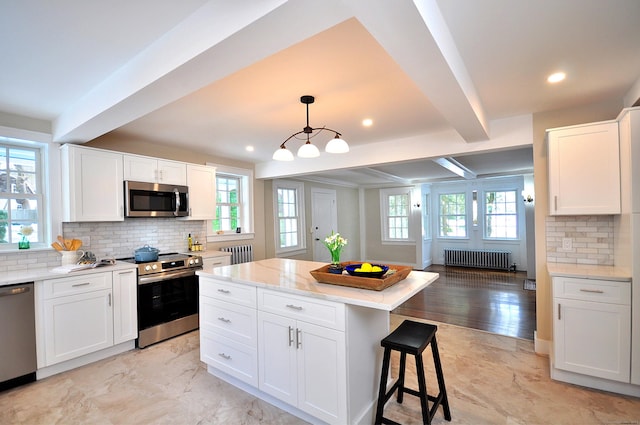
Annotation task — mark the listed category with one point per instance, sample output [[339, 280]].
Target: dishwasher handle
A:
[[15, 290]]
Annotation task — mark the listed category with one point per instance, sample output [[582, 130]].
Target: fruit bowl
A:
[[351, 269]]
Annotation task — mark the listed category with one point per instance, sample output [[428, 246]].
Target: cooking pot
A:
[[146, 253]]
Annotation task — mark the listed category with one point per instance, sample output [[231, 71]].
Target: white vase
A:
[[70, 257]]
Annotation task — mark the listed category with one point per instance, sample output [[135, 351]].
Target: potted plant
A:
[[334, 243]]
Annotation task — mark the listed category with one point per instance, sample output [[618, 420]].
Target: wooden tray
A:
[[322, 275]]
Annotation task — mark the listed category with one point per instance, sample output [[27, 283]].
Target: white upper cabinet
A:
[[92, 188], [201, 181], [153, 170], [584, 169]]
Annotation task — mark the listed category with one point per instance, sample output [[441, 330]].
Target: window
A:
[[452, 215], [289, 216], [21, 198], [228, 208], [501, 220], [234, 196], [396, 207]]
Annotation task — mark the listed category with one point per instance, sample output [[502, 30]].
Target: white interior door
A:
[[324, 219]]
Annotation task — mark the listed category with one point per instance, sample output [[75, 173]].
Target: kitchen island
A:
[[310, 348]]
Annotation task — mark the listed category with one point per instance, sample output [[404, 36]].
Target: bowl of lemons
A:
[[367, 270]]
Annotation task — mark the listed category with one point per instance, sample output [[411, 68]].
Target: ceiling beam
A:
[[415, 35], [455, 167]]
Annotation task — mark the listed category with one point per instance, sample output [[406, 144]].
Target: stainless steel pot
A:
[[146, 253]]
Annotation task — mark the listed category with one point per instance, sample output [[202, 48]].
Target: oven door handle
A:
[[142, 280]]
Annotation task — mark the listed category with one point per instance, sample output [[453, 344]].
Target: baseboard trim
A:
[[541, 346]]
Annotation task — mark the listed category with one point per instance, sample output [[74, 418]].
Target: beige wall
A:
[[542, 121], [374, 249], [348, 219]]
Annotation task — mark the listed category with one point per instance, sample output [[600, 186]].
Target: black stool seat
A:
[[412, 338]]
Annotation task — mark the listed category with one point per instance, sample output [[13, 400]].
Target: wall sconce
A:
[[527, 197], [416, 205]]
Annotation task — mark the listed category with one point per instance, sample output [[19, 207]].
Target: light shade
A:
[[337, 145], [308, 151], [282, 154]]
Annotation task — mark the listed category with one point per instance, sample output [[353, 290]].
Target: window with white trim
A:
[[228, 206], [22, 208], [234, 208], [396, 207], [501, 215], [452, 215], [289, 216]]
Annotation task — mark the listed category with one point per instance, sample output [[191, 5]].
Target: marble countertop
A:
[[32, 275], [293, 276], [208, 254], [589, 271]]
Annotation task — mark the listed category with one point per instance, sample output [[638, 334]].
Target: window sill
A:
[[230, 237], [399, 242]]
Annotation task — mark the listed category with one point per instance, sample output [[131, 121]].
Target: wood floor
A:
[[492, 301]]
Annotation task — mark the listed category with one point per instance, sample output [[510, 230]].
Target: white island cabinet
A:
[[312, 349]]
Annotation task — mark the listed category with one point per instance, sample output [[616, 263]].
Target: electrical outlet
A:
[[567, 243], [86, 241]]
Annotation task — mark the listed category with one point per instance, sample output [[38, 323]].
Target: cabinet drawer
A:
[[234, 321], [319, 312], [211, 262], [606, 291], [233, 358], [226, 291], [54, 288]]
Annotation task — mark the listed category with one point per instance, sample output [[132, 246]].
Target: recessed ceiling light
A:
[[556, 77], [367, 122], [249, 148]]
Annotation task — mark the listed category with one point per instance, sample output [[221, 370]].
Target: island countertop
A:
[[293, 276]]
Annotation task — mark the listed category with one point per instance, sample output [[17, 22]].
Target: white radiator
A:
[[479, 259], [239, 253]]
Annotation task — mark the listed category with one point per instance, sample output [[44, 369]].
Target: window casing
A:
[[396, 211], [289, 217], [501, 214], [452, 215], [21, 192], [234, 204], [228, 203]]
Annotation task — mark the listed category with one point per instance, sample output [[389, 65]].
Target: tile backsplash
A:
[[112, 239], [591, 239]]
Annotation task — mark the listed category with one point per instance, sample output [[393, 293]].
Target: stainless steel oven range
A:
[[167, 297]]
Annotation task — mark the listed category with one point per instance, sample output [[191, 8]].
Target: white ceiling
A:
[[440, 78]]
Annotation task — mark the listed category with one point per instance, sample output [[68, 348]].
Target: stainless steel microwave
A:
[[155, 200]]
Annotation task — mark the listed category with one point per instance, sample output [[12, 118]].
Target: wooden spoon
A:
[[62, 242], [57, 246]]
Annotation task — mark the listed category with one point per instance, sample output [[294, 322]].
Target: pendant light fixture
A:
[[308, 149]]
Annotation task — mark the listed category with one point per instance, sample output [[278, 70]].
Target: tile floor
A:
[[490, 379]]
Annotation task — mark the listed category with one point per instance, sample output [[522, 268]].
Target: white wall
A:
[[475, 234]]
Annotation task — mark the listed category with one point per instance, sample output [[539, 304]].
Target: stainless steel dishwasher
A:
[[17, 335]]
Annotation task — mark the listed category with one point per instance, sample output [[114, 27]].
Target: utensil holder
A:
[[70, 257]]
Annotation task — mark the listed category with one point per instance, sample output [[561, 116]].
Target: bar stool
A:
[[412, 338]]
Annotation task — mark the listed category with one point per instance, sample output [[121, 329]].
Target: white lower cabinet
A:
[[288, 347], [76, 325], [228, 329], [301, 362], [81, 315], [125, 307], [592, 327]]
